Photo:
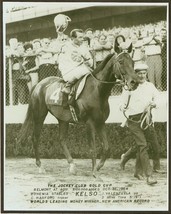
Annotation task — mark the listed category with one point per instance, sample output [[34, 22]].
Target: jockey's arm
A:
[[50, 50], [88, 60]]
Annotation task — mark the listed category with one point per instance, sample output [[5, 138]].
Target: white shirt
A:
[[72, 56], [140, 98]]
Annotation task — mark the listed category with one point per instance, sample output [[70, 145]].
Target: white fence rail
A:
[[16, 114]]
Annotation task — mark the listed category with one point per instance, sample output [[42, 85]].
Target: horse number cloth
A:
[[54, 96]]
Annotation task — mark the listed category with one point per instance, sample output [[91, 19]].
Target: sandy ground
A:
[[57, 190]]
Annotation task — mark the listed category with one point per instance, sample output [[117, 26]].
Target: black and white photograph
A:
[[85, 88]]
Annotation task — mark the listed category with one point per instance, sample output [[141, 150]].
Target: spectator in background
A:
[[126, 33], [36, 45], [86, 42], [102, 49], [121, 44], [89, 34], [46, 61], [118, 41], [153, 52], [13, 43], [163, 33], [16, 61], [138, 51], [30, 65], [20, 49], [111, 40]]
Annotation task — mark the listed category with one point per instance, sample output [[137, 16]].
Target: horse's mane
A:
[[102, 64]]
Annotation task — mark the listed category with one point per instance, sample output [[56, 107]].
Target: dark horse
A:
[[92, 107]]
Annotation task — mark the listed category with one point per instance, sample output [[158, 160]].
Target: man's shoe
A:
[[151, 180], [159, 171], [140, 177]]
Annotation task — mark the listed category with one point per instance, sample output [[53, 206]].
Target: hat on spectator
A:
[[36, 40], [140, 67], [88, 29]]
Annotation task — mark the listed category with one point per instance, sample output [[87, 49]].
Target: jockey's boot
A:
[[67, 88]]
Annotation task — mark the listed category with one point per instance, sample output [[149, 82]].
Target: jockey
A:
[[74, 60]]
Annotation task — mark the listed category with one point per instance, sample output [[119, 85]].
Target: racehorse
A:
[[92, 107]]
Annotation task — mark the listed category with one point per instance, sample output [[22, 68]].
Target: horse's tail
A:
[[27, 127]]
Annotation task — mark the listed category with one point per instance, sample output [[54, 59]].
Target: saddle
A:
[[55, 96]]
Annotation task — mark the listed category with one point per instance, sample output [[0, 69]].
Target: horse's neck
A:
[[105, 75]]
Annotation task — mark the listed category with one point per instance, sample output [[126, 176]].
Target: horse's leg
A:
[[101, 131], [63, 135], [91, 141], [39, 117], [35, 139]]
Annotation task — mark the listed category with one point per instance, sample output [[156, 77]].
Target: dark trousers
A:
[[142, 158], [154, 145]]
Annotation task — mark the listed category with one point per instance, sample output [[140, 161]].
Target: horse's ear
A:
[[130, 48], [117, 49]]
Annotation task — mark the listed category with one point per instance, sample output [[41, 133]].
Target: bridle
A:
[[121, 80]]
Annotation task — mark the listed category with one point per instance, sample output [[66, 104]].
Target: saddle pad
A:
[[54, 96], [81, 86]]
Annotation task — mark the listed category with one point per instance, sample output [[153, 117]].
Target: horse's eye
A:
[[121, 62]]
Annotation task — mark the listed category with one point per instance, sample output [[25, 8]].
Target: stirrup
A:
[[66, 90]]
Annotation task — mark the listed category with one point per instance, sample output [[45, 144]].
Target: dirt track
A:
[[112, 190]]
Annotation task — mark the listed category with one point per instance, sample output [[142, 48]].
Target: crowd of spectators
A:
[[35, 60]]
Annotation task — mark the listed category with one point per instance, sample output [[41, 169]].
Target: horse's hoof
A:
[[97, 177], [122, 166], [99, 167], [41, 170], [72, 169], [94, 175]]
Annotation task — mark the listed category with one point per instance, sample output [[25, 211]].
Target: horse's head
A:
[[124, 70]]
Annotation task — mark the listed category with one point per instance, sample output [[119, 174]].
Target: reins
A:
[[146, 118], [111, 82], [102, 81]]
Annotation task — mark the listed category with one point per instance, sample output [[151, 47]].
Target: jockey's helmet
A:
[[61, 22]]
